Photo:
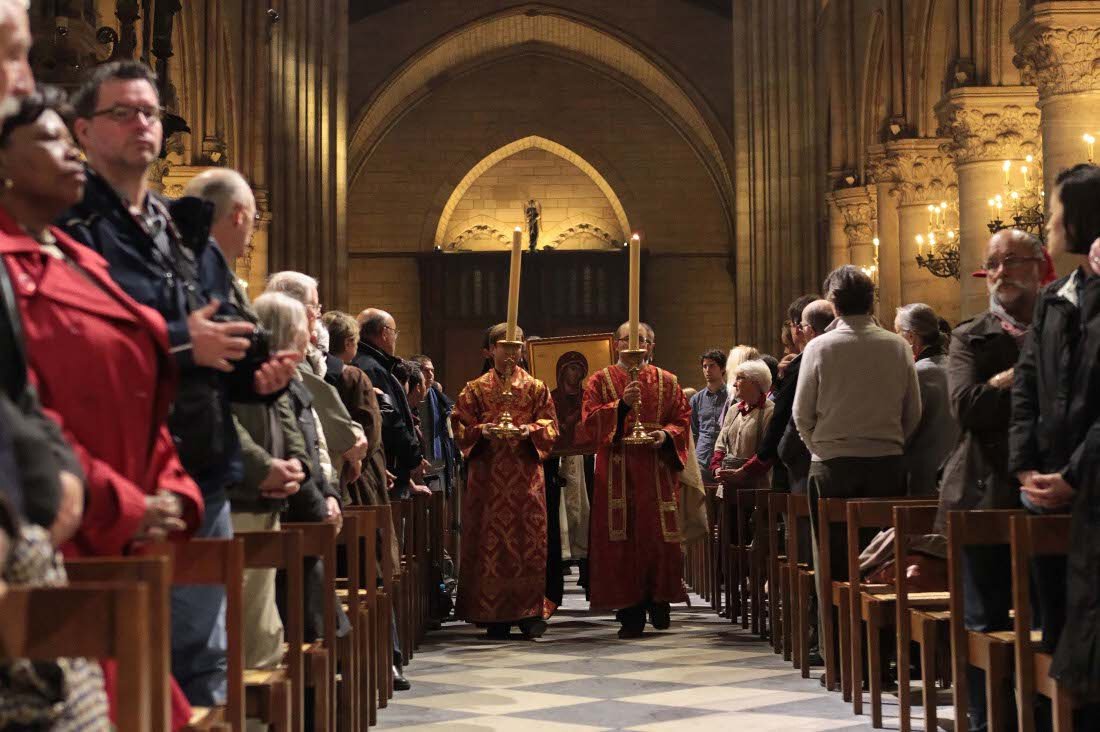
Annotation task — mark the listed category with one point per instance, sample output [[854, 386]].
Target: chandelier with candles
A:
[[938, 248], [1020, 203]]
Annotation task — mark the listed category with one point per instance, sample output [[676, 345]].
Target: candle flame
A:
[[1007, 166]]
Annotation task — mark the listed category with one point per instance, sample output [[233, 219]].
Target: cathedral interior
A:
[[753, 144]]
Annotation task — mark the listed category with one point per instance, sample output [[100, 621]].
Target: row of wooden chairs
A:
[[754, 570], [119, 608]]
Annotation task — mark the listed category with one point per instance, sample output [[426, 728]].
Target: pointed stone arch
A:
[[506, 151], [537, 26]]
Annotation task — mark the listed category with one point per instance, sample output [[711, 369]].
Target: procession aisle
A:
[[701, 675]]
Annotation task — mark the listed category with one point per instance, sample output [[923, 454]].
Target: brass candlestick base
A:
[[634, 359], [505, 428]]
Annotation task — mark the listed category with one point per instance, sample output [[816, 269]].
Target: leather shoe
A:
[[628, 632], [660, 616], [400, 683], [532, 629]]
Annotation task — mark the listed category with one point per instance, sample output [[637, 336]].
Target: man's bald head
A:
[[817, 315], [234, 208], [379, 329], [16, 79]]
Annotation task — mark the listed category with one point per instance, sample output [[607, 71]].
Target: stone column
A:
[[839, 252], [858, 210], [1058, 51], [920, 174], [889, 254], [987, 125]]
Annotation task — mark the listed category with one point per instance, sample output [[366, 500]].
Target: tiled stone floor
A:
[[702, 674]]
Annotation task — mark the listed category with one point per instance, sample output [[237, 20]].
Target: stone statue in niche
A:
[[532, 214]]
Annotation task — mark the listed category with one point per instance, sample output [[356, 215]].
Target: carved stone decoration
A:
[[584, 230], [859, 207], [919, 170], [982, 129], [1059, 51], [480, 231]]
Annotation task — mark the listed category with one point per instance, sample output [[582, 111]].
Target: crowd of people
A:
[[145, 396], [999, 413]]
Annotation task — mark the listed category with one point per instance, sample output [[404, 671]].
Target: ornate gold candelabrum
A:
[[505, 428], [634, 359]]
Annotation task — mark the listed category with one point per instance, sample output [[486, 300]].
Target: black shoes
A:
[[627, 632], [400, 683], [498, 632], [532, 628], [660, 616]]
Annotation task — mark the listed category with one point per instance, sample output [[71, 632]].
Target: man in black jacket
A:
[[162, 258], [377, 345]]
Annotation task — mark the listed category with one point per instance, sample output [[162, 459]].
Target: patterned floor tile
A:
[[612, 714], [747, 721], [705, 675], [494, 702], [501, 724], [721, 699], [500, 678]]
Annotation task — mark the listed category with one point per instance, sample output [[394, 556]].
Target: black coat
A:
[[403, 449], [1056, 429], [976, 473]]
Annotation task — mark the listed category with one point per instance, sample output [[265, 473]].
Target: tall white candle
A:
[[513, 284], [635, 289]]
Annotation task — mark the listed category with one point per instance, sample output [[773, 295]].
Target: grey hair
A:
[[284, 316], [1019, 236], [757, 372], [920, 320], [223, 187], [293, 284]]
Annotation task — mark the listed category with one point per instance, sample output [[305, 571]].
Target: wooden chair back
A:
[[156, 573], [966, 529], [909, 520], [1031, 537], [45, 623], [283, 550], [319, 542]]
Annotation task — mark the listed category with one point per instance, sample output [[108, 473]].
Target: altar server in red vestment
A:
[[502, 575], [634, 550]]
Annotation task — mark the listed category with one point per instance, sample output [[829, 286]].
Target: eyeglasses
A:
[[125, 113], [314, 308], [641, 341], [396, 332], [993, 265]]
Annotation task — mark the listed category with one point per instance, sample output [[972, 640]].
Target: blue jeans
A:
[[198, 624]]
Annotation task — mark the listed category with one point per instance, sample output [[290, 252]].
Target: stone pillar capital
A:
[[919, 170], [858, 206], [990, 123], [1058, 47]]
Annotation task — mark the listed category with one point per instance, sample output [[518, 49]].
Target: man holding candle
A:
[[502, 578], [635, 556]]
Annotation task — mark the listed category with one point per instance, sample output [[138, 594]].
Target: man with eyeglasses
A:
[[980, 366], [635, 556], [159, 252]]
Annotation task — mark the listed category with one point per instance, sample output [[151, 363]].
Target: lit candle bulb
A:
[[1007, 167], [1089, 141], [920, 244], [1023, 169], [1029, 159]]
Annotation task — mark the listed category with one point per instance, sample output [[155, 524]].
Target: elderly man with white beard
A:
[[983, 353]]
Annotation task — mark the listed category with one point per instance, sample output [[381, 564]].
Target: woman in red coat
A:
[[99, 360]]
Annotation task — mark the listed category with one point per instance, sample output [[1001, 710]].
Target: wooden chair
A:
[[832, 514], [874, 605], [991, 652], [779, 597], [319, 657], [756, 557], [915, 624], [730, 606], [713, 551], [267, 691], [216, 562], [155, 572], [379, 596], [354, 650], [93, 620], [801, 573], [1036, 536]]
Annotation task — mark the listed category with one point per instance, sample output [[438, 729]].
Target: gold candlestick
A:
[[505, 428], [634, 359]]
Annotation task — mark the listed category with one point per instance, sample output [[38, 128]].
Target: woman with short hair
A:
[[744, 426]]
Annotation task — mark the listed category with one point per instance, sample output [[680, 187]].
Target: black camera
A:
[[259, 343]]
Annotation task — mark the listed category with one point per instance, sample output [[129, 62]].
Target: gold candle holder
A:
[[634, 359], [505, 428]]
